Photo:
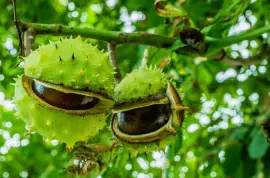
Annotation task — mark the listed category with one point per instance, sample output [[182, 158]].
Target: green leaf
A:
[[168, 10], [177, 44], [203, 75], [226, 17], [175, 147], [239, 133], [258, 146], [178, 141], [232, 158], [2, 140], [249, 166]]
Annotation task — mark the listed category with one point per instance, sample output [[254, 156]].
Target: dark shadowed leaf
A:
[[232, 157]]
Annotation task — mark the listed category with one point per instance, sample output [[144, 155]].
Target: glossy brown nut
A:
[[144, 120], [132, 124], [65, 99], [69, 101]]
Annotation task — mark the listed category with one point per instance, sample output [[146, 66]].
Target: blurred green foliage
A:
[[221, 136]]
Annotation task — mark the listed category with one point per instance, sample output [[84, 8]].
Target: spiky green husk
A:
[[94, 158], [137, 148], [140, 84], [72, 63], [52, 124]]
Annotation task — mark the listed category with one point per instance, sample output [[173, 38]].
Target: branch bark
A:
[[215, 46], [109, 36], [256, 59], [237, 38]]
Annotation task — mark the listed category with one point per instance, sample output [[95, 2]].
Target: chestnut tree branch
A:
[[215, 46], [255, 59], [109, 36], [237, 38]]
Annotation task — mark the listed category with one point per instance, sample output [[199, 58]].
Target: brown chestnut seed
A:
[[144, 120], [69, 101], [175, 111]]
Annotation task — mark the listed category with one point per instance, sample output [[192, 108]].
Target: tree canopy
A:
[[215, 51]]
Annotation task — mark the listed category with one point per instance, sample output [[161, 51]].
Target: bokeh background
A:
[[222, 136]]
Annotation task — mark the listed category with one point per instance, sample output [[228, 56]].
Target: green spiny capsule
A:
[[59, 96], [148, 110]]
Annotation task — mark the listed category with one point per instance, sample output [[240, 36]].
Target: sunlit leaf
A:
[[168, 10]]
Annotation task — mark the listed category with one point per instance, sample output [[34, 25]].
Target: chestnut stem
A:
[[113, 58], [167, 163], [26, 36], [145, 58], [17, 25], [28, 41]]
